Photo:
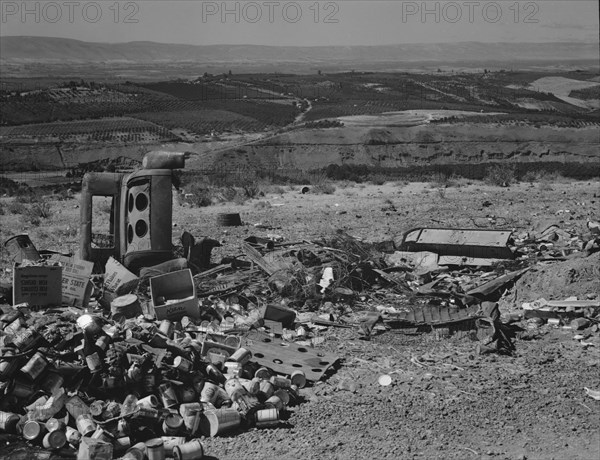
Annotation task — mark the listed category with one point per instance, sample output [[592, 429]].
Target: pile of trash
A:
[[144, 362]]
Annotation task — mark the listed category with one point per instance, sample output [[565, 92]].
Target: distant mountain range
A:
[[49, 49]]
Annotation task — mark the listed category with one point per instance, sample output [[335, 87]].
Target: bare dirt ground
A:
[[445, 400]]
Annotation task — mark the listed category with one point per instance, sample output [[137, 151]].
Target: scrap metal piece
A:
[[286, 358], [461, 243]]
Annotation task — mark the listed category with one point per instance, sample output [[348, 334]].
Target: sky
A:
[[304, 22]]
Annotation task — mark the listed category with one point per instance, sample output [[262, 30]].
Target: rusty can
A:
[[155, 449], [149, 382], [168, 395], [266, 388], [8, 422], [215, 374], [94, 362], [209, 393], [36, 365], [112, 410], [53, 424], [187, 394], [14, 326], [266, 417], [96, 408], [149, 402], [298, 378], [147, 413], [252, 386], [121, 445], [191, 450], [103, 342], [54, 440], [283, 395], [135, 453], [274, 402], [33, 430], [241, 355], [172, 424], [73, 436], [85, 424], [182, 364], [281, 382], [263, 373], [52, 382], [166, 328]]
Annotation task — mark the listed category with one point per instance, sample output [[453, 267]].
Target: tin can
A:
[[103, 342], [14, 326], [101, 435], [54, 440], [52, 382], [172, 424], [168, 395], [252, 386], [266, 418], [266, 388], [155, 449], [76, 407], [149, 382], [20, 248], [135, 453], [33, 430], [215, 374], [233, 368], [73, 436], [149, 402], [283, 395], [121, 445], [298, 378], [187, 394], [274, 402], [281, 382], [85, 424], [166, 328], [11, 316], [94, 362], [182, 364], [219, 421], [8, 422], [53, 424], [112, 410], [263, 373], [191, 450], [147, 413], [96, 408], [209, 393], [36, 365], [241, 355]]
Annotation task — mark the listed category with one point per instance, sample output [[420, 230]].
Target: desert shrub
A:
[[198, 195], [252, 190], [37, 212], [2, 210], [277, 190], [12, 188], [502, 175], [378, 179], [14, 207], [326, 188]]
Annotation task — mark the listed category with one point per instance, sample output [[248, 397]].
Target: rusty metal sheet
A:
[[286, 358], [469, 243]]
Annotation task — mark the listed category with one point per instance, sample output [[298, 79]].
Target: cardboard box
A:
[[174, 295], [76, 285], [115, 275], [39, 286]]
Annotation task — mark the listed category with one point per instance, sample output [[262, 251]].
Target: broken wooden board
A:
[[433, 315], [286, 358]]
